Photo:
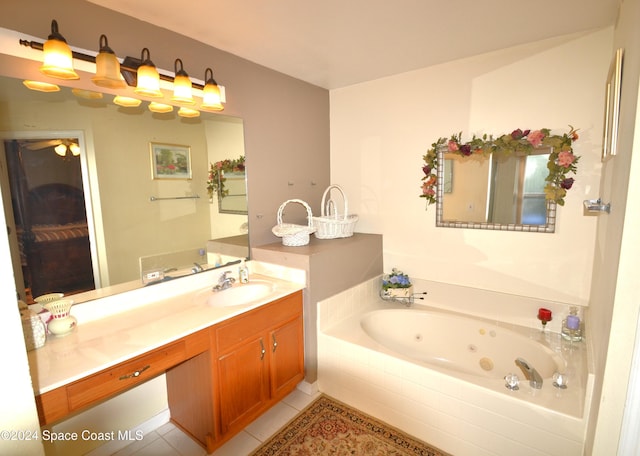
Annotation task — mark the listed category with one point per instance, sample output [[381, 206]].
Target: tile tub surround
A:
[[450, 412]]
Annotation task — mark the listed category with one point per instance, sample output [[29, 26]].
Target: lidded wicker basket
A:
[[294, 235], [330, 224]]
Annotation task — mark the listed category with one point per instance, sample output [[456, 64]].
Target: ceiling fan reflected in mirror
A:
[[61, 146]]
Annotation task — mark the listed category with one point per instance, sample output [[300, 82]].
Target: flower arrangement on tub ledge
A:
[[396, 285], [561, 162]]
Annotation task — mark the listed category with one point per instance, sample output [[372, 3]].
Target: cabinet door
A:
[[287, 357], [242, 377]]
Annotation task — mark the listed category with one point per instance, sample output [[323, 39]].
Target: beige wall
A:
[[381, 129]]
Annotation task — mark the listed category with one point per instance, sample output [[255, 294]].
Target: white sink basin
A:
[[241, 294]]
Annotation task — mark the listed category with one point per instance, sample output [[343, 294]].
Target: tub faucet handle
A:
[[535, 380]]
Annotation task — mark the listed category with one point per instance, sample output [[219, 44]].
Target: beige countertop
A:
[[165, 316]]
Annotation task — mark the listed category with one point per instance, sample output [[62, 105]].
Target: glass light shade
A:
[[108, 71], [57, 61], [182, 89], [148, 82], [160, 107], [61, 149], [181, 85], [41, 86], [126, 102], [188, 112], [75, 149], [148, 77], [211, 98]]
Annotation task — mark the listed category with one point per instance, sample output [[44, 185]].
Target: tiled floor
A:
[[168, 440]]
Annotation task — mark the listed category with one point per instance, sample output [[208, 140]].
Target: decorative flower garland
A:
[[221, 167], [561, 161]]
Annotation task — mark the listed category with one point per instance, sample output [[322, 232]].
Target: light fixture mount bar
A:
[[128, 67]]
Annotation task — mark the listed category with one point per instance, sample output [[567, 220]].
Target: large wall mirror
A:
[[504, 192], [141, 214]]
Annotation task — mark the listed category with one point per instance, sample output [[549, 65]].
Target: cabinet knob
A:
[[275, 343], [262, 350]]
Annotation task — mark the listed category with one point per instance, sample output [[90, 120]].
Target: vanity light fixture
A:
[[141, 74], [41, 86], [148, 77], [181, 85], [57, 60], [211, 100], [126, 102], [108, 67]]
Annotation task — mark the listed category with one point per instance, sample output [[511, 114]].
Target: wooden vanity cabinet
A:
[[219, 379], [260, 359]]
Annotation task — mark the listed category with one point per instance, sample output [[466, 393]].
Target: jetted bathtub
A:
[[439, 375], [461, 344]]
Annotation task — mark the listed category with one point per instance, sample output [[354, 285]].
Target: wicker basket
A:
[[294, 235], [330, 224]]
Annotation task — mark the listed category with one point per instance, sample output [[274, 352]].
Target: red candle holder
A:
[[544, 315]]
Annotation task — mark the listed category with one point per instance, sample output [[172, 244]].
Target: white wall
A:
[[16, 393], [615, 295], [381, 129]]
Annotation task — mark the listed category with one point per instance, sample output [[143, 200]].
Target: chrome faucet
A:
[[196, 268], [224, 281], [535, 380]]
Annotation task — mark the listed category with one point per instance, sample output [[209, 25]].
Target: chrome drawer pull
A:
[[136, 373], [262, 350], [275, 343]]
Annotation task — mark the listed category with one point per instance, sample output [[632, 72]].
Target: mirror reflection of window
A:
[[534, 204], [517, 190]]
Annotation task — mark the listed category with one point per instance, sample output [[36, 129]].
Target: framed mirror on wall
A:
[[495, 192], [511, 182], [612, 107]]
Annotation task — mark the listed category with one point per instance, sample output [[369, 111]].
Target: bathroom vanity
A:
[[225, 363]]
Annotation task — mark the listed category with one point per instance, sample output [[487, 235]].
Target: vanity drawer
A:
[[124, 375], [58, 403], [242, 327]]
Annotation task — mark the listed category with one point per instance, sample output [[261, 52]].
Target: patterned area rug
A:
[[329, 427]]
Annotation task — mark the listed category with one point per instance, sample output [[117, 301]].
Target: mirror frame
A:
[[549, 227]]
